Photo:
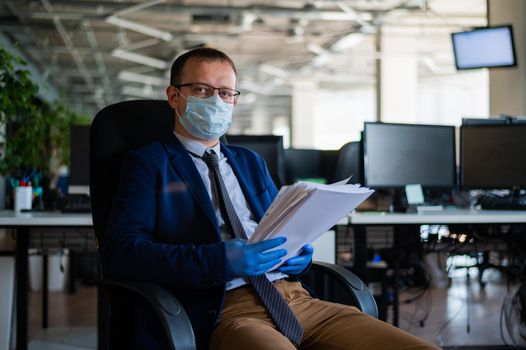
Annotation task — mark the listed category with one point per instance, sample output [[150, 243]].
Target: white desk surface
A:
[[10, 218], [445, 216]]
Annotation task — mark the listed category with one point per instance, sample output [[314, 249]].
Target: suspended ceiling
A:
[[99, 52]]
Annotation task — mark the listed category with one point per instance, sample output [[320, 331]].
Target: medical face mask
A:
[[207, 118]]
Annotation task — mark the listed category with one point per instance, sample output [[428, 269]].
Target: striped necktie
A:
[[277, 307]]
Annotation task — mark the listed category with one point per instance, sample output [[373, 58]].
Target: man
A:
[[181, 217]]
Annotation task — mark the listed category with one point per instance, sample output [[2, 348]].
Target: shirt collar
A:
[[196, 148]]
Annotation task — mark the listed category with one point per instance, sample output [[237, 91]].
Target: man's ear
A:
[[172, 95]]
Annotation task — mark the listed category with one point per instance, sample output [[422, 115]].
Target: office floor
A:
[[72, 321], [72, 318], [454, 316]]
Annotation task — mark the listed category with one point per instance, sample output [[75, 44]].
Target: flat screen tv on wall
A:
[[487, 47]]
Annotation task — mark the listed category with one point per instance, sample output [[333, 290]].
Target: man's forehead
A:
[[196, 67], [194, 62]]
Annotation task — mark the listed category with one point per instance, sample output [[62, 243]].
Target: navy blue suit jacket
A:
[[163, 229]]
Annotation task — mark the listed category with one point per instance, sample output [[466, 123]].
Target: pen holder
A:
[[23, 198]]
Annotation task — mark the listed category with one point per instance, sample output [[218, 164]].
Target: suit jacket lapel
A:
[[183, 164], [242, 174]]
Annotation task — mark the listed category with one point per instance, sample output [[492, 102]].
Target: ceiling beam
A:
[[77, 58], [110, 8], [99, 59]]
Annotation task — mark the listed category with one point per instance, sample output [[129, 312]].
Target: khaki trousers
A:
[[245, 324]]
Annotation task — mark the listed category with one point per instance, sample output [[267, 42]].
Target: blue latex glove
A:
[[297, 264], [253, 259]]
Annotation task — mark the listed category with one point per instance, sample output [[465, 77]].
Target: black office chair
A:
[[124, 126], [349, 162]]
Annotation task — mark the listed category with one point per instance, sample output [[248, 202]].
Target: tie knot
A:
[[211, 159]]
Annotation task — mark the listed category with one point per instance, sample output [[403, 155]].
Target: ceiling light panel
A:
[[141, 59], [140, 28]]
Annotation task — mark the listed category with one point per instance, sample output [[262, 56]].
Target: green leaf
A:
[[38, 136]]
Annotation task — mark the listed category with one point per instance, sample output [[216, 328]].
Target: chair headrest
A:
[[117, 129]]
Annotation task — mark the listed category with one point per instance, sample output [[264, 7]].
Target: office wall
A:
[[399, 75], [303, 100], [419, 83], [446, 99], [507, 86], [327, 117]]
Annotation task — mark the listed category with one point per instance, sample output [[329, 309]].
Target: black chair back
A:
[[115, 130], [349, 162]]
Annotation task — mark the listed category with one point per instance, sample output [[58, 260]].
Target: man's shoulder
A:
[[252, 161], [153, 153]]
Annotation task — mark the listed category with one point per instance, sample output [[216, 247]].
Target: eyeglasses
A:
[[205, 90]]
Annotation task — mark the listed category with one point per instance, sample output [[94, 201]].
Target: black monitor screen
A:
[[302, 164], [493, 156], [79, 164], [485, 121], [484, 48], [400, 154], [270, 147]]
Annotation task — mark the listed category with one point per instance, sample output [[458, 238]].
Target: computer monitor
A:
[[486, 121], [396, 155], [270, 147], [79, 160], [301, 164], [518, 120], [493, 156], [315, 165], [487, 47]]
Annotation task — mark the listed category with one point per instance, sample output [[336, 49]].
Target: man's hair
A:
[[200, 54]]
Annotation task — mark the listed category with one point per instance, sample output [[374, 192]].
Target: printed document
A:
[[304, 211]]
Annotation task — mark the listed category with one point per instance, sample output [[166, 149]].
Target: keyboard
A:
[[494, 202], [77, 203]]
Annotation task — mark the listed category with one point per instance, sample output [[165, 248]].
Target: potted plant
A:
[[35, 133]]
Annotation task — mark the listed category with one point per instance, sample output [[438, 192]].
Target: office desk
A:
[[445, 216], [449, 216], [22, 223]]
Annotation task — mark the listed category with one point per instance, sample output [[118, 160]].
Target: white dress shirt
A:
[[241, 206]]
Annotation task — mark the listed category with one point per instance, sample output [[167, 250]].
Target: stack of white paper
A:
[[304, 211]]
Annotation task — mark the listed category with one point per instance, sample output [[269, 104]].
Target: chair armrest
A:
[[175, 322], [347, 282]]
